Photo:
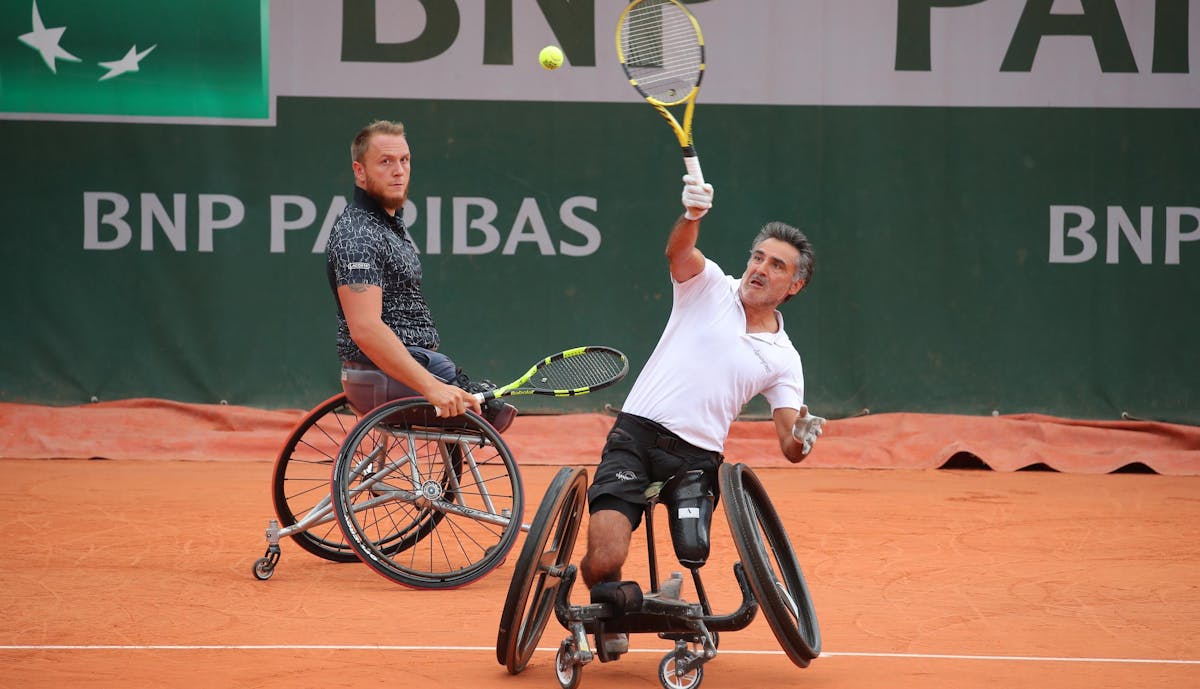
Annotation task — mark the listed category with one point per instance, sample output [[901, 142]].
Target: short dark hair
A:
[[793, 236], [362, 140]]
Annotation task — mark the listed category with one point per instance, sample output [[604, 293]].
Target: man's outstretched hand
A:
[[807, 428]]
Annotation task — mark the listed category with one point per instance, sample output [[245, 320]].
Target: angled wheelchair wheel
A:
[[426, 502], [774, 573], [538, 572], [300, 481]]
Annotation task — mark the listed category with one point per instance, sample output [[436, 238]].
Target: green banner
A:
[[954, 271], [145, 59]]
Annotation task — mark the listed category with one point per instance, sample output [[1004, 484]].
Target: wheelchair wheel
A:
[[539, 568], [668, 677], [775, 576], [568, 673], [301, 478], [426, 502]]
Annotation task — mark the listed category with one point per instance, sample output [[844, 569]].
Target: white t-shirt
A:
[[706, 367]]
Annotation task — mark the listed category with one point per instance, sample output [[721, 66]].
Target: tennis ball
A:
[[551, 57]]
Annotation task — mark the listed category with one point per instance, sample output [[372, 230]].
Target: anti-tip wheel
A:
[[568, 672], [688, 680], [263, 568]]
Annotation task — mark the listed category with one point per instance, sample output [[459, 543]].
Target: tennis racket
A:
[[661, 50], [576, 371]]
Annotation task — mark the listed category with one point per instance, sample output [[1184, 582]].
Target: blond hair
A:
[[362, 140]]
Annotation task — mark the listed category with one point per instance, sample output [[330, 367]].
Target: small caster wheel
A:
[[566, 669], [671, 680], [264, 567]]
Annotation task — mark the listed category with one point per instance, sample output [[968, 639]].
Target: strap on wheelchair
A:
[[622, 596]]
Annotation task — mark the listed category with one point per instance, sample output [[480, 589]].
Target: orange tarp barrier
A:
[[161, 429], [143, 429]]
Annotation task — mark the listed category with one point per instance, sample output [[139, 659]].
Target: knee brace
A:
[[689, 500]]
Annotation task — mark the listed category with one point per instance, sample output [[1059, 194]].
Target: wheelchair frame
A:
[[768, 575], [423, 501]]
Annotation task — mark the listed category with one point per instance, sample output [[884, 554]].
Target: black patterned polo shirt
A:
[[367, 246]]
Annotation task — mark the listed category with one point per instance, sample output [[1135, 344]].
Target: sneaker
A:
[[616, 644]]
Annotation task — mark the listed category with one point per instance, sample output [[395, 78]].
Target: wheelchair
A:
[[767, 574], [424, 501]]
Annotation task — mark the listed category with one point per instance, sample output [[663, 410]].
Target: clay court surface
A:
[[136, 572]]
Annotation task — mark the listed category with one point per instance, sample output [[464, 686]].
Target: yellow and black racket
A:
[[576, 371], [661, 50]]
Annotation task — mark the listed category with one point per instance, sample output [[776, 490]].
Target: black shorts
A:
[[639, 452]]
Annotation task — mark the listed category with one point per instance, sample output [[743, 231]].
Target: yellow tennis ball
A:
[[551, 57]]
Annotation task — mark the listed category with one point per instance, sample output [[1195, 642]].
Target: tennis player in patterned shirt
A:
[[386, 337]]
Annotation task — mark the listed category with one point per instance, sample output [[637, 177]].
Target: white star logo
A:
[[45, 41], [129, 63]]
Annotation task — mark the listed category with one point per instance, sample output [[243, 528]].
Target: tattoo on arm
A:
[[357, 287]]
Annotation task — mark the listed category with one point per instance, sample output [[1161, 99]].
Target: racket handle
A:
[[692, 162]]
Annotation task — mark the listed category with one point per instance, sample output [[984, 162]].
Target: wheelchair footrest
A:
[[670, 606]]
